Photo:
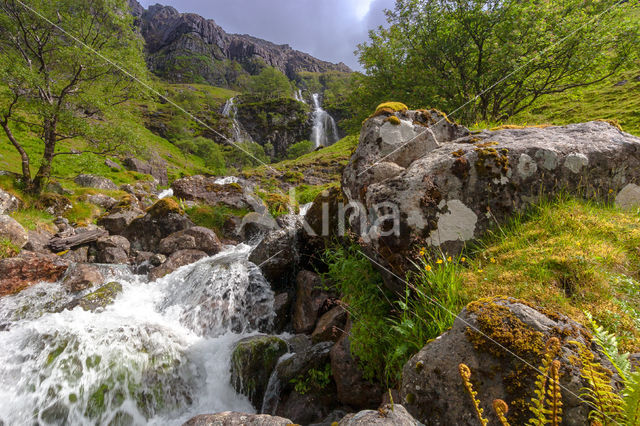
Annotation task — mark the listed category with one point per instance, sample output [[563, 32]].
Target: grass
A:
[[213, 217], [32, 219], [7, 248]]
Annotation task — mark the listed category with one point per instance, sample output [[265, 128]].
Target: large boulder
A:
[[29, 268], [229, 418], [164, 218], [176, 260], [252, 362], [82, 276], [8, 202], [387, 415], [38, 241], [93, 181], [113, 249], [12, 231], [155, 168], [196, 238], [120, 215], [310, 296], [501, 340], [212, 191], [426, 182]]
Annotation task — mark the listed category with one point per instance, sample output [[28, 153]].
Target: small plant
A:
[[313, 380], [7, 248]]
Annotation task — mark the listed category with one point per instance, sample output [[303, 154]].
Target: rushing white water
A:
[[325, 130], [158, 355], [239, 133], [298, 96], [166, 193]]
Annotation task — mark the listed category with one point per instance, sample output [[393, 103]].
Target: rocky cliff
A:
[[181, 46]]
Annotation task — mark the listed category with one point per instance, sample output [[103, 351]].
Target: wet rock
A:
[[12, 231], [29, 268], [229, 418], [175, 261], [432, 389], [157, 168], [113, 249], [308, 408], [449, 187], [164, 218], [330, 326], [102, 200], [54, 204], [278, 254], [315, 357], [252, 362], [391, 415], [353, 389], [38, 240], [8, 202], [99, 299], [310, 297], [282, 307], [81, 276], [196, 238], [93, 181]]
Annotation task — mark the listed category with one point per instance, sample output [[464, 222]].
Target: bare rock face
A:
[[196, 238], [229, 418], [157, 168], [29, 268], [8, 202], [500, 340], [448, 187], [93, 181], [387, 415], [309, 299], [11, 230]]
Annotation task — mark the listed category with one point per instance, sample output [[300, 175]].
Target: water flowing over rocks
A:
[[432, 389], [448, 186], [176, 260]]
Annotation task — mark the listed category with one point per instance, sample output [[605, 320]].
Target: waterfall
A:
[[298, 96], [230, 110], [158, 355], [325, 130]]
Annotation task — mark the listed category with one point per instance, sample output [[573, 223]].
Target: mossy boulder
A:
[[164, 207], [252, 363], [164, 218], [99, 299], [502, 341]]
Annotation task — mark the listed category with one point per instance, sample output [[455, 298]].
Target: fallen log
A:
[[59, 244]]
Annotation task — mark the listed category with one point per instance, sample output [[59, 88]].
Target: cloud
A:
[[327, 29]]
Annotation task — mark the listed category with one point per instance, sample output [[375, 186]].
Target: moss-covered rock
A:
[[252, 363], [101, 298], [165, 206]]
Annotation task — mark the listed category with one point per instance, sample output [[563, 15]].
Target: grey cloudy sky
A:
[[327, 29]]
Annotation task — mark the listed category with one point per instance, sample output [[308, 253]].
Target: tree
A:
[[270, 84], [508, 53], [57, 86]]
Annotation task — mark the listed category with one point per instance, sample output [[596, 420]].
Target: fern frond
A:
[[540, 413], [465, 374], [555, 394], [609, 344], [501, 408], [631, 399]]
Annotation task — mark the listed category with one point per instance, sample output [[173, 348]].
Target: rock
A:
[[113, 249], [450, 187], [432, 389], [252, 362], [309, 299], [79, 255], [54, 204], [629, 197], [196, 238], [330, 326], [8, 202], [229, 418], [57, 188], [206, 190], [164, 218], [278, 253], [389, 414], [352, 388], [308, 408], [38, 240], [99, 299], [157, 168], [12, 231], [175, 261], [112, 164], [29, 268], [116, 223], [81, 276], [102, 200], [282, 308], [323, 217], [93, 181]]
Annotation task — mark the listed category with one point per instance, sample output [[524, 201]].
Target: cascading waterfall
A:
[[325, 130], [239, 133], [158, 355], [298, 96]]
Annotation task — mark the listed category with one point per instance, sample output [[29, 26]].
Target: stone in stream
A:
[[196, 238], [113, 249], [29, 268], [252, 362], [229, 418], [175, 261], [387, 415], [82, 276], [99, 299]]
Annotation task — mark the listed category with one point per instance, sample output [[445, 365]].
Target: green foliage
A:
[[313, 380], [299, 149], [246, 154], [213, 217], [441, 54], [32, 218], [212, 153], [269, 84], [7, 248]]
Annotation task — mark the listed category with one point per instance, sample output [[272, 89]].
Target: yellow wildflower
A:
[[427, 268], [439, 261], [480, 270], [464, 259], [449, 259], [493, 260]]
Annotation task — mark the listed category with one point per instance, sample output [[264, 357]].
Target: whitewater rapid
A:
[[158, 355]]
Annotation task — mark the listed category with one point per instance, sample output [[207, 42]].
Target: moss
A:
[[393, 120], [459, 153], [460, 168], [164, 207], [613, 122], [394, 106], [54, 354], [100, 298], [491, 158], [8, 249]]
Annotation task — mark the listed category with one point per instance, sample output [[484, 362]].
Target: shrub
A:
[[299, 149]]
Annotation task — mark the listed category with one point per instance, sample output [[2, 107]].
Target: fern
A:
[[542, 415], [501, 408], [465, 374], [555, 395]]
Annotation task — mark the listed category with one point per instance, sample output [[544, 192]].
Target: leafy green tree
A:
[[298, 149], [60, 89], [270, 84], [498, 56]]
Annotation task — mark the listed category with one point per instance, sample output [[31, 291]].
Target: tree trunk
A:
[[44, 172], [26, 172]]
